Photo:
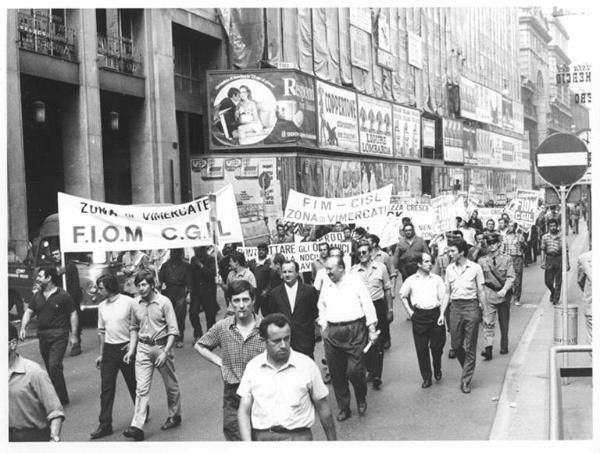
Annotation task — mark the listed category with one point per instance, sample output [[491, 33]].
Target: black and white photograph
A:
[[290, 222]]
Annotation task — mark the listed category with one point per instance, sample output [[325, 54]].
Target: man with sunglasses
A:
[[377, 280]]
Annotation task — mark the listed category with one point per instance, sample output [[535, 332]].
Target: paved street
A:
[[401, 410]]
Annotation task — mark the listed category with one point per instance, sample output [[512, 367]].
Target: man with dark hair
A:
[[409, 248], [175, 280], [490, 226], [375, 277], [502, 227], [319, 263], [281, 236], [203, 290], [114, 314], [56, 313], [281, 389], [464, 288], [426, 291], [552, 260], [73, 287], [479, 249], [152, 333], [297, 301], [239, 269], [262, 270], [475, 222], [348, 319], [381, 256], [499, 275], [227, 112], [34, 410], [239, 340]]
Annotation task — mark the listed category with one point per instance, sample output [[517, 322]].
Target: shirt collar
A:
[[233, 323], [153, 301], [290, 288], [18, 367], [292, 362]]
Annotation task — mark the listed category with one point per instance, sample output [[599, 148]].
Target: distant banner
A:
[[420, 213], [359, 209], [524, 208], [447, 208], [485, 214], [303, 253], [87, 225]]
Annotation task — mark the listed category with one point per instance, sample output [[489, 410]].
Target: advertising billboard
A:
[[407, 133], [337, 117], [375, 126], [261, 108]]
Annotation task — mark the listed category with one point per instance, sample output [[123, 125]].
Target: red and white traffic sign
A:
[[562, 159]]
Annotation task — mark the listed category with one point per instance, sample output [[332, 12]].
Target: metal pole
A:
[[563, 236]]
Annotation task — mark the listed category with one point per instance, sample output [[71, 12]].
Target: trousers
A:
[[465, 316], [265, 435], [518, 283], [206, 299], [553, 277], [112, 363], [428, 336], [146, 355], [29, 435], [374, 358], [490, 312], [231, 403], [53, 345], [344, 346]]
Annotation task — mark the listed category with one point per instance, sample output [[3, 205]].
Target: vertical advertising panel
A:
[[407, 133], [375, 126], [428, 133], [261, 108], [468, 98], [337, 118], [453, 140]]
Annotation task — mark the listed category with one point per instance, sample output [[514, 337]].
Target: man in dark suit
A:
[[298, 302]]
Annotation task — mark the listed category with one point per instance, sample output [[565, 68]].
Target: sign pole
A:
[[563, 191]]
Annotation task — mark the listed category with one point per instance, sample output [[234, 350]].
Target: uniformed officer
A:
[[499, 275]]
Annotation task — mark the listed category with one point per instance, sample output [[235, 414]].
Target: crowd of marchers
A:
[[276, 316]]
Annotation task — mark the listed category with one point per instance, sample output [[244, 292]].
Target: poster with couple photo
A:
[[261, 108]]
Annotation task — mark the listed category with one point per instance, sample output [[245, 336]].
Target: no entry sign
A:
[[562, 159]]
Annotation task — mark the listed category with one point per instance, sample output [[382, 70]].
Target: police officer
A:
[[499, 275]]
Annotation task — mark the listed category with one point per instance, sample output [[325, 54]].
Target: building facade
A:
[[131, 105]]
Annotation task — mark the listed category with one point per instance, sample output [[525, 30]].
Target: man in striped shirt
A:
[[552, 260]]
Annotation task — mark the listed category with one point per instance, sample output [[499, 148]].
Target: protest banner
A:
[[486, 214], [446, 209], [523, 209], [358, 209], [88, 225], [418, 210], [303, 253]]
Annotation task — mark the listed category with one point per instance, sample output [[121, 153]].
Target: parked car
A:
[[90, 266]]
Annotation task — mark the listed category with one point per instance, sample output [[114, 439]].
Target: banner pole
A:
[[212, 198], [64, 265]]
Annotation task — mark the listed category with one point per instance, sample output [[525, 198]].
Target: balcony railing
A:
[[46, 35], [119, 54]]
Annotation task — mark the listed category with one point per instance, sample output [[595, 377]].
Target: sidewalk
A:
[[523, 407]]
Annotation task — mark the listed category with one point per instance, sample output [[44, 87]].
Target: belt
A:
[[553, 254], [160, 342], [426, 309], [281, 429], [464, 300], [345, 323]]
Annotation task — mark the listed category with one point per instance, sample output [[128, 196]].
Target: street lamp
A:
[[114, 120], [39, 109]]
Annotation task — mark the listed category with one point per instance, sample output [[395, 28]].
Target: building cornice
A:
[[539, 28]]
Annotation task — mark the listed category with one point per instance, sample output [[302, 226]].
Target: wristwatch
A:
[[54, 439]]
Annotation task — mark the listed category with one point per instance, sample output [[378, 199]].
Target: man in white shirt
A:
[[281, 389], [345, 312], [426, 291], [113, 337]]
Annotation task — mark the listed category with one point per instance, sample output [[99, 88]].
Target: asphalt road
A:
[[401, 410]]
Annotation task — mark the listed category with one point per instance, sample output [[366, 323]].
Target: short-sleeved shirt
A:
[[54, 312], [552, 244], [499, 273], [345, 300], [243, 274], [382, 257], [153, 320], [284, 396], [32, 400], [375, 278], [425, 291], [114, 319], [513, 244], [464, 280], [236, 351]]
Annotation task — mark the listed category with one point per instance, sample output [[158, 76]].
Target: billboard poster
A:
[[507, 113], [338, 118], [255, 182], [261, 108], [518, 117], [428, 133], [469, 145], [375, 126], [407, 133], [468, 98], [453, 140]]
